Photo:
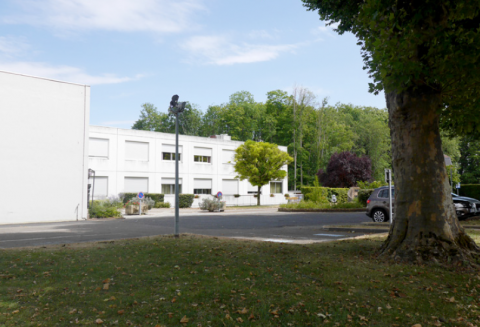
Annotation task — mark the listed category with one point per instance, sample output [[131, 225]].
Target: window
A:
[[168, 185], [276, 187], [136, 184], [171, 156], [100, 190], [168, 152], [202, 159], [202, 155], [98, 147], [384, 193], [202, 186], [230, 186], [228, 156], [136, 151]]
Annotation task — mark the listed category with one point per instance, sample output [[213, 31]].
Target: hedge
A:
[[185, 200], [157, 197], [470, 190], [363, 195], [324, 194]]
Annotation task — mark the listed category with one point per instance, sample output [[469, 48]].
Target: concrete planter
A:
[[132, 209]]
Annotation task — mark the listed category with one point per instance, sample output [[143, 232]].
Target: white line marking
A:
[[332, 235]]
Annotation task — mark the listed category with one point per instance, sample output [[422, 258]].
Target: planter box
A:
[[132, 209]]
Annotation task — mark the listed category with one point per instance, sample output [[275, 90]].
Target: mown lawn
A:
[[197, 281]]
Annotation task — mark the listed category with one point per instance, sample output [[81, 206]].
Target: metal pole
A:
[[390, 195], [176, 177]]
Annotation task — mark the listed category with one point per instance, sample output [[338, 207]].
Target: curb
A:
[[322, 210], [353, 229]]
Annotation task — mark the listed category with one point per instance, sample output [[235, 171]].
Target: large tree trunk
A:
[[425, 225]]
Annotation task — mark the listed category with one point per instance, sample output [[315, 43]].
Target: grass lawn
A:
[[197, 281]]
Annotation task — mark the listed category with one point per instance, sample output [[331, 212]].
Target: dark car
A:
[[378, 205]]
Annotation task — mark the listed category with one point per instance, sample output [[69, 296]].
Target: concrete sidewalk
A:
[[170, 212]]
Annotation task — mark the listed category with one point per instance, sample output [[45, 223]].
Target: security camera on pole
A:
[[176, 108]]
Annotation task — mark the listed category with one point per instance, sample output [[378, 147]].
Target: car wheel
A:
[[379, 216]]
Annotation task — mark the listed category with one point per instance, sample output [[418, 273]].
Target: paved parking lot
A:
[[260, 224]]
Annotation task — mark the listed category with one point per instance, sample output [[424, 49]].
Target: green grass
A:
[[316, 205], [217, 282]]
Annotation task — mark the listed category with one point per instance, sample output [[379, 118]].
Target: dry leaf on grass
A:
[[184, 320]]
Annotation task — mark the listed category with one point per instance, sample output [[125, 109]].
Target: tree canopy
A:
[[430, 45], [260, 163]]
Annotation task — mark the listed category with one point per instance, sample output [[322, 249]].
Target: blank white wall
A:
[[44, 149]]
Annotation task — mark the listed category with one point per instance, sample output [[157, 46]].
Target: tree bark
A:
[[425, 226]]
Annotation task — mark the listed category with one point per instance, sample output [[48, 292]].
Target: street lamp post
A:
[[176, 108]]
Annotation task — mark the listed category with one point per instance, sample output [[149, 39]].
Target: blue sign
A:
[[140, 195], [219, 194]]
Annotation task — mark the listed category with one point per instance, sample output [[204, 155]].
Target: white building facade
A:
[[142, 161], [43, 149]]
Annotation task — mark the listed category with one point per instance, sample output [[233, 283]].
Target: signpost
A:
[[219, 195], [388, 179], [458, 188], [140, 195]]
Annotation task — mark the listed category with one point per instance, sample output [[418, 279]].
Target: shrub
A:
[[148, 201], [162, 204], [324, 194], [157, 197], [363, 196], [103, 209], [210, 204], [287, 195], [185, 200], [314, 205], [470, 190], [372, 185]]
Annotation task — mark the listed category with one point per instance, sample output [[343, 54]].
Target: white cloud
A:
[[63, 73], [164, 16], [219, 50], [12, 45], [325, 30]]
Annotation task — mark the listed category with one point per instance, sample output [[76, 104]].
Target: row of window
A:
[[200, 186], [134, 150]]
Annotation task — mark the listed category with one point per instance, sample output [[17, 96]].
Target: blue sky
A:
[[137, 51]]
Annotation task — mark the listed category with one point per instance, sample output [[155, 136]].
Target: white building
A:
[[132, 161], [43, 149]]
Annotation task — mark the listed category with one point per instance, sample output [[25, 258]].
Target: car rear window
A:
[[384, 193]]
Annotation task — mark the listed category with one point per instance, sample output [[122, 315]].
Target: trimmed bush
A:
[[162, 204], [470, 190], [157, 197], [363, 196], [103, 209], [324, 194], [315, 205], [185, 200]]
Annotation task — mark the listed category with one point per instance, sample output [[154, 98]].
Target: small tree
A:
[[260, 162], [345, 169]]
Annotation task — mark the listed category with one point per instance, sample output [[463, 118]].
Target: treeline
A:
[[312, 130]]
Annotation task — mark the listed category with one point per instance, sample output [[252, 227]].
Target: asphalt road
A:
[[265, 224]]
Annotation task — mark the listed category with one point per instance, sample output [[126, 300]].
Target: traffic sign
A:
[[140, 195], [219, 194]]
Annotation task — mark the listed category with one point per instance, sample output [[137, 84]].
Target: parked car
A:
[[378, 205]]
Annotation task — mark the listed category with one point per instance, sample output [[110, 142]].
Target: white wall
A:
[[116, 166], [43, 149]]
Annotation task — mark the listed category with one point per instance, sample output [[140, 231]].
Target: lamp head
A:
[[174, 101]]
